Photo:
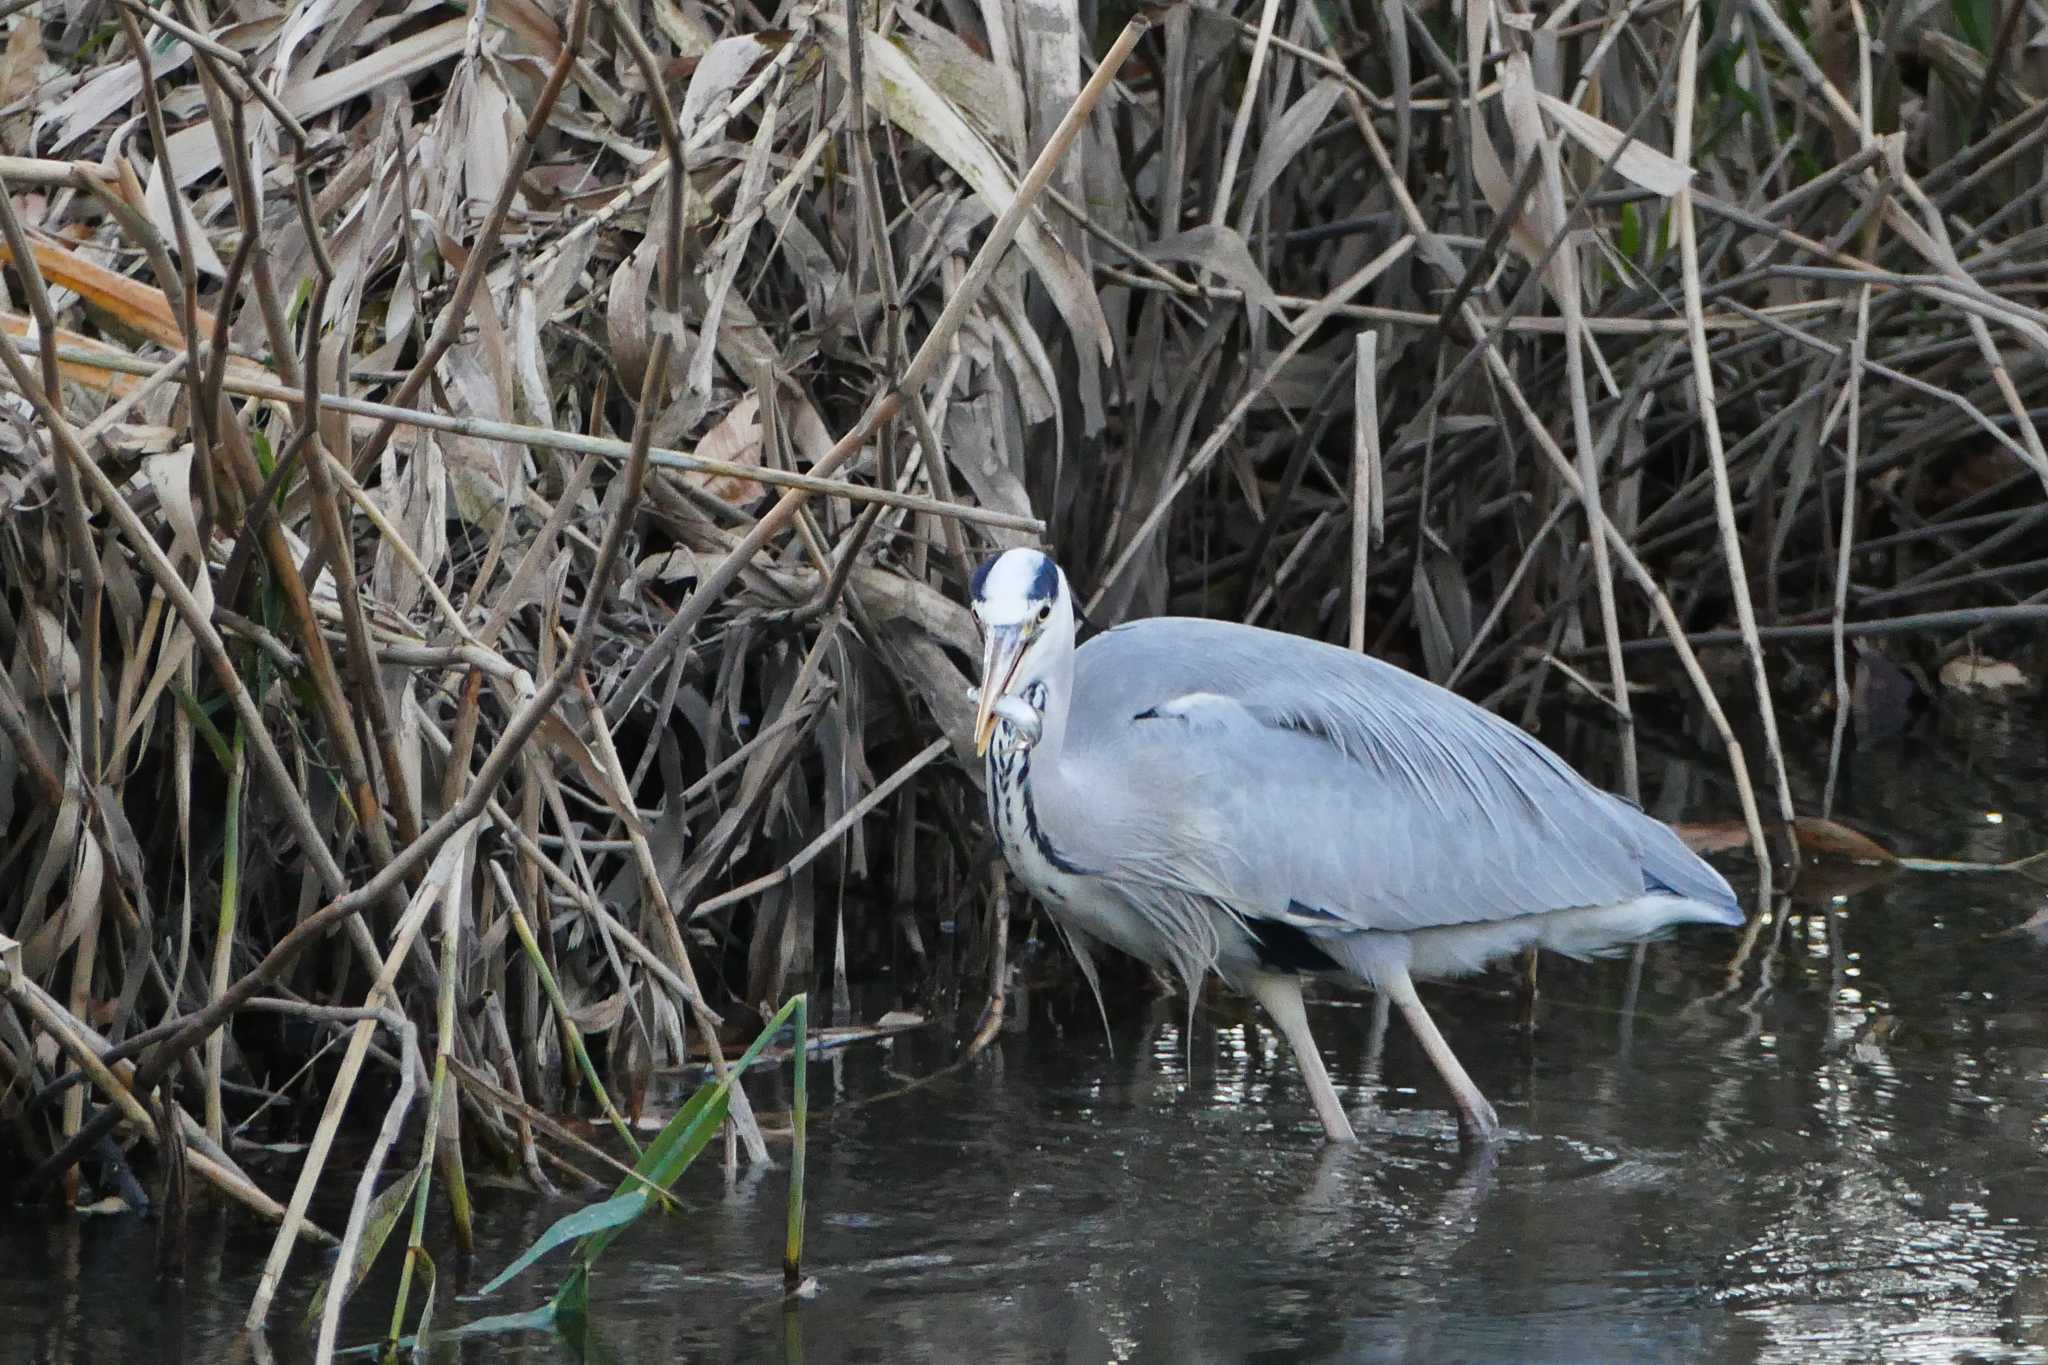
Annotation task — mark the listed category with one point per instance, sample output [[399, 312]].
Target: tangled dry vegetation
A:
[[488, 493]]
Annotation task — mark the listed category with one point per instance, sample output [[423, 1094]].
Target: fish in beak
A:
[[1001, 655]]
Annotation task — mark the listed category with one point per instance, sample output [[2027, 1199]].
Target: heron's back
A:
[[1340, 793]]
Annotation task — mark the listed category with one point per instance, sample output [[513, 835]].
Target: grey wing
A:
[[1293, 780]]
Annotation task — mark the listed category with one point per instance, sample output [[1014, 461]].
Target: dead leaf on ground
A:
[[599, 1016], [127, 303], [1984, 676], [1819, 840], [669, 566], [21, 68], [571, 744], [737, 440], [1825, 839], [113, 383], [123, 302]]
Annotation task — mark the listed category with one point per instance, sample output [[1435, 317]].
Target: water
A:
[[1843, 1157]]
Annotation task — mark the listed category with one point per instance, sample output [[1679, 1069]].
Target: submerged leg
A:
[[1476, 1119], [1281, 998], [1376, 1037]]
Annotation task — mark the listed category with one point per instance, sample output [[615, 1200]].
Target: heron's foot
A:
[[1478, 1125]]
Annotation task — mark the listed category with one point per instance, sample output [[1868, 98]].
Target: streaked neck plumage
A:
[[1025, 778]]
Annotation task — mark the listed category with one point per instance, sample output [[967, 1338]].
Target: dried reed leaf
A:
[[627, 320], [21, 73], [194, 152], [139, 307], [719, 73], [1538, 223], [736, 437], [160, 204], [897, 88], [558, 733], [103, 95], [1640, 164], [599, 1016], [106, 380], [484, 131], [1282, 141], [127, 303], [80, 911], [536, 391], [986, 88], [1220, 249]]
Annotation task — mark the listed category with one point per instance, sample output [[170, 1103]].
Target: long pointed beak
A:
[[1001, 653]]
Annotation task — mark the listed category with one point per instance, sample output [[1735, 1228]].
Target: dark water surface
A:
[[1842, 1157]]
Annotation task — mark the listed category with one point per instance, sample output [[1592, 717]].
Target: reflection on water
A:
[[1843, 1154]]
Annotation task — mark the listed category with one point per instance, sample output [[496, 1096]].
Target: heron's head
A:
[[1026, 614]]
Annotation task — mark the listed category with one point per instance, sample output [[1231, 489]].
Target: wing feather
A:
[[1291, 780]]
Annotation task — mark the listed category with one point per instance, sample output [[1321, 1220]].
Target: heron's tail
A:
[[1672, 869], [1453, 950], [1606, 930]]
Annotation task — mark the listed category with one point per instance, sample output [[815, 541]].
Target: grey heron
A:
[[1214, 797]]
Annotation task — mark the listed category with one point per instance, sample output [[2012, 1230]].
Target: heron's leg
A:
[[1281, 998], [1376, 1037], [1476, 1118], [1372, 1073]]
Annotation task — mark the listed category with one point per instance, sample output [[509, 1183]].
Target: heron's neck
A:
[[1029, 795], [1055, 676], [1058, 678]]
